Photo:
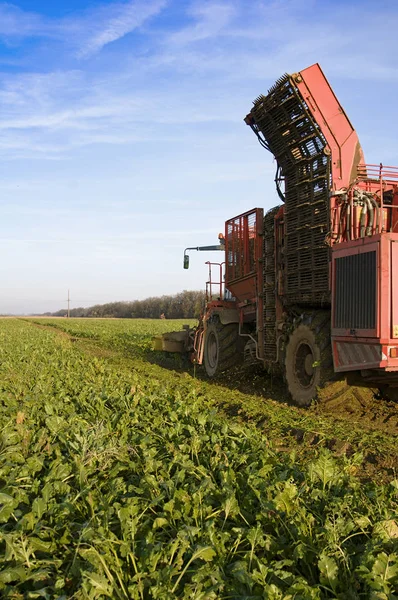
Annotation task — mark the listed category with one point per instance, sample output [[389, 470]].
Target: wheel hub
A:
[[304, 364], [308, 364], [212, 352]]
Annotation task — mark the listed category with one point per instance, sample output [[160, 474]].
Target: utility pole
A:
[[68, 305]]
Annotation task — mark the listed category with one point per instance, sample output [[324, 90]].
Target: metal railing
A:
[[215, 288], [378, 172]]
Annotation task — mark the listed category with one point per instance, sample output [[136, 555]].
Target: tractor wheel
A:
[[221, 350], [302, 368], [309, 372], [308, 358]]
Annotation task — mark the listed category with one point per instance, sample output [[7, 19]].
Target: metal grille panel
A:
[[355, 293]]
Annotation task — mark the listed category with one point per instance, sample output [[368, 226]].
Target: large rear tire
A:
[[309, 372], [303, 365], [221, 348]]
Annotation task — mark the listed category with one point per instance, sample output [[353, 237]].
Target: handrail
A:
[[369, 171], [210, 284]]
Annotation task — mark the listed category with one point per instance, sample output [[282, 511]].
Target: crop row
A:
[[132, 335]]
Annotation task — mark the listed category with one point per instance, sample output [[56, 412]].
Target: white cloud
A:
[[117, 20], [211, 19], [87, 31], [15, 22]]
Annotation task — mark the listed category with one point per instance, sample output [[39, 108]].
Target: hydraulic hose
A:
[[348, 227], [363, 219], [376, 212], [369, 228]]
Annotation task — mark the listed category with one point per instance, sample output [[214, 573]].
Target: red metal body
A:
[[342, 139], [364, 273], [356, 346], [244, 269], [243, 250]]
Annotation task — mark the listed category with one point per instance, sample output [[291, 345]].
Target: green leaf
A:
[[385, 569], [207, 554], [39, 507], [159, 522], [99, 583], [12, 574], [286, 500], [8, 504], [324, 469], [230, 506], [5, 499], [39, 545], [328, 570]]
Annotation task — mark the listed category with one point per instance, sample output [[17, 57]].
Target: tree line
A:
[[185, 305]]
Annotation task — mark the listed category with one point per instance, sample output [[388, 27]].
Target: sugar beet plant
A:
[[115, 486]]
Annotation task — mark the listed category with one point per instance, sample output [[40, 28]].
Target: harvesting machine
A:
[[310, 288]]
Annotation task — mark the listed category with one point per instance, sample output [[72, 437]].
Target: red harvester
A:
[[310, 289]]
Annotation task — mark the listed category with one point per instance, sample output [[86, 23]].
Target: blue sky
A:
[[122, 138]]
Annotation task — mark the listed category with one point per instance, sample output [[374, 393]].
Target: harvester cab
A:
[[311, 286]]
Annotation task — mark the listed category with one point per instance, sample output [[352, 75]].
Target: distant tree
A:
[[184, 305]]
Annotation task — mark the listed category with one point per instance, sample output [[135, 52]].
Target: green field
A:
[[125, 474]]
